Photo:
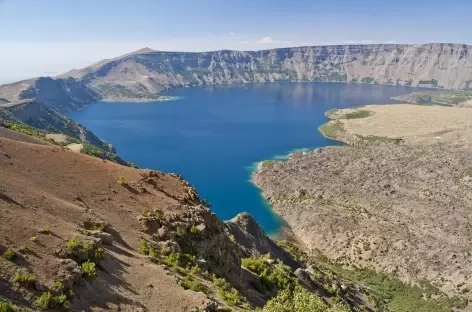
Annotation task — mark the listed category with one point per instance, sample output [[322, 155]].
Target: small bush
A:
[[96, 254], [24, 278], [72, 243], [152, 253], [194, 229], [180, 232], [192, 284], [172, 259], [231, 297], [6, 307], [33, 238], [220, 282], [89, 269], [47, 230], [10, 254], [195, 270], [98, 227], [48, 301], [25, 247], [121, 180], [143, 247], [58, 285]]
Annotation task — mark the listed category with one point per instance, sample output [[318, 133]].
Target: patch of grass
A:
[[357, 114], [331, 112], [143, 247], [332, 129], [7, 307], [192, 284], [24, 278], [48, 301], [33, 238], [10, 254], [395, 294], [89, 268]]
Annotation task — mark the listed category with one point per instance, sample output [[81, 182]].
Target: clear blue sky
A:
[[44, 37]]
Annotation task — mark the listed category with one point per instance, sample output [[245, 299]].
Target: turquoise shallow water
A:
[[214, 136]]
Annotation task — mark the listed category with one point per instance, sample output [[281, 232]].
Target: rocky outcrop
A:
[[252, 240]]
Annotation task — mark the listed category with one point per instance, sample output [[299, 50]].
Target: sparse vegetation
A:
[[194, 229], [192, 284], [357, 114], [300, 300], [121, 180], [7, 307], [72, 243], [367, 80], [24, 278], [10, 254], [332, 129], [143, 247], [232, 296], [33, 238], [89, 269], [58, 285], [48, 301], [277, 274]]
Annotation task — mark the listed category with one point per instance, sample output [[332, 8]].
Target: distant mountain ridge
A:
[[140, 75]]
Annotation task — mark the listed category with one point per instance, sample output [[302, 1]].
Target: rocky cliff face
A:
[[436, 65]]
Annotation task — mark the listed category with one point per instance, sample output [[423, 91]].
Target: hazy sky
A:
[[47, 37]]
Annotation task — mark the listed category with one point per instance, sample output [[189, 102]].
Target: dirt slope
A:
[[44, 186]]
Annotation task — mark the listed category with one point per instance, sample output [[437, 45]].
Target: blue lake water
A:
[[213, 136]]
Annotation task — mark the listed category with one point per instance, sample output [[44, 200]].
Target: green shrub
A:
[[220, 282], [152, 253], [194, 229], [357, 114], [89, 269], [192, 284], [58, 285], [10, 254], [143, 247], [300, 300], [231, 296], [172, 259], [96, 254], [121, 180], [6, 307], [33, 238], [257, 265], [24, 278], [46, 230], [48, 301], [72, 243]]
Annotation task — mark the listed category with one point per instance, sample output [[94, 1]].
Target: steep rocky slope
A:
[[396, 198], [84, 234]]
